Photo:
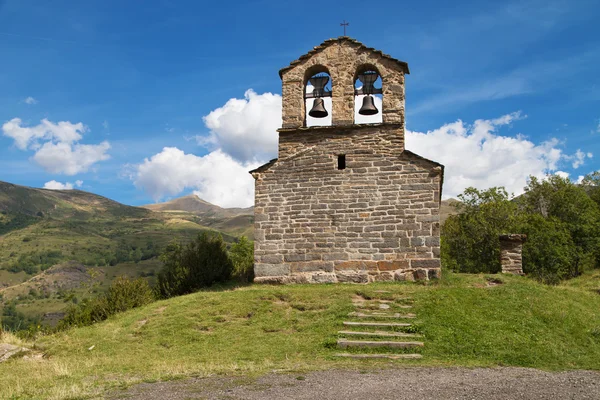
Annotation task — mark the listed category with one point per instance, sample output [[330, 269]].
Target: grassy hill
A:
[[40, 228], [466, 320]]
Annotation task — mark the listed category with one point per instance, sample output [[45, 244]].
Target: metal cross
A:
[[345, 24]]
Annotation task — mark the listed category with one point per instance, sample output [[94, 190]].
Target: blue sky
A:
[[142, 76]]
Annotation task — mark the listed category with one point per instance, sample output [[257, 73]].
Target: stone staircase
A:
[[382, 326]]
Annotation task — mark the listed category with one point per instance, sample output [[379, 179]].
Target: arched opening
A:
[[317, 97], [368, 96]]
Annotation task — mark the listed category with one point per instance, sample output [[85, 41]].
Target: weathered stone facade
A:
[[377, 219], [511, 250]]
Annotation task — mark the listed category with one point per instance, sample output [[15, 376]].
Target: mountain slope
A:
[[39, 228], [195, 205], [234, 221]]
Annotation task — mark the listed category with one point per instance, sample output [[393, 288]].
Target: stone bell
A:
[[368, 106], [318, 109]]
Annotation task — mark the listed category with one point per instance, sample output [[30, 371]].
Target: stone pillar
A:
[[511, 249]]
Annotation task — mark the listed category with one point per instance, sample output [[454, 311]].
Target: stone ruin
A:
[[346, 202], [511, 249]]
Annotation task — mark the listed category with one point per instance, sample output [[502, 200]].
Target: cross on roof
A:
[[344, 24]]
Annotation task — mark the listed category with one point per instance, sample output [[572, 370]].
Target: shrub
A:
[[123, 294], [241, 254], [470, 239], [549, 254], [198, 264]]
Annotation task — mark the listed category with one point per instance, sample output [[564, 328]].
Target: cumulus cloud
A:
[[246, 128], [29, 137], [64, 158], [578, 158], [30, 100], [54, 185], [476, 155], [217, 177], [55, 145]]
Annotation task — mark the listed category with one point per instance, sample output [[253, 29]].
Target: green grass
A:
[[258, 329]]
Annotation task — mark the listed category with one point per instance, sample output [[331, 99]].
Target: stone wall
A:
[[511, 249], [343, 59], [377, 219]]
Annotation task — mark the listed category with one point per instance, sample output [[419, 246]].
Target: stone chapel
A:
[[346, 202]]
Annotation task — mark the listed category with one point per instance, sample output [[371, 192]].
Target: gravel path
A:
[[394, 384]]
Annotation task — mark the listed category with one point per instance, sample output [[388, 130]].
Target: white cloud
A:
[[475, 155], [562, 174], [30, 100], [54, 185], [29, 137], [64, 158], [246, 128], [55, 145], [579, 158], [217, 177]]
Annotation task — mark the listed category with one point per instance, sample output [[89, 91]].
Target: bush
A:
[[123, 294], [199, 264], [549, 254], [470, 239], [242, 258], [561, 219]]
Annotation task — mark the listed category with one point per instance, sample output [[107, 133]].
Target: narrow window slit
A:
[[342, 161]]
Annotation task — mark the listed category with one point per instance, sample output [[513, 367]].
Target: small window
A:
[[342, 161]]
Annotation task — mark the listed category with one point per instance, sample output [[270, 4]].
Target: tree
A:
[[242, 257], [199, 264], [591, 183], [561, 199], [470, 238]]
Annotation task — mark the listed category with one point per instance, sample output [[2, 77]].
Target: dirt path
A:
[[396, 384]]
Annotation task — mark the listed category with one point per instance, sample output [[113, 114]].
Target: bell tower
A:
[[344, 201]]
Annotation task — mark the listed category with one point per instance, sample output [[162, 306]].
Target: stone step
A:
[[380, 315], [345, 343], [379, 333], [388, 356], [378, 324], [364, 307]]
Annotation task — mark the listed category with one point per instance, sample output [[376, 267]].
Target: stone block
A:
[[434, 273], [348, 277], [311, 266], [392, 265], [323, 278], [420, 274], [271, 259], [425, 263], [402, 276], [271, 270]]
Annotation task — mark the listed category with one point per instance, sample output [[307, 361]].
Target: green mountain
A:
[[40, 228]]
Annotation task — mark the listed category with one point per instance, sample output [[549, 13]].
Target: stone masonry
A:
[[377, 219], [511, 250]]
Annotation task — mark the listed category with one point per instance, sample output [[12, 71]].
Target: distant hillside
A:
[[195, 205], [61, 203], [235, 221], [39, 228]]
